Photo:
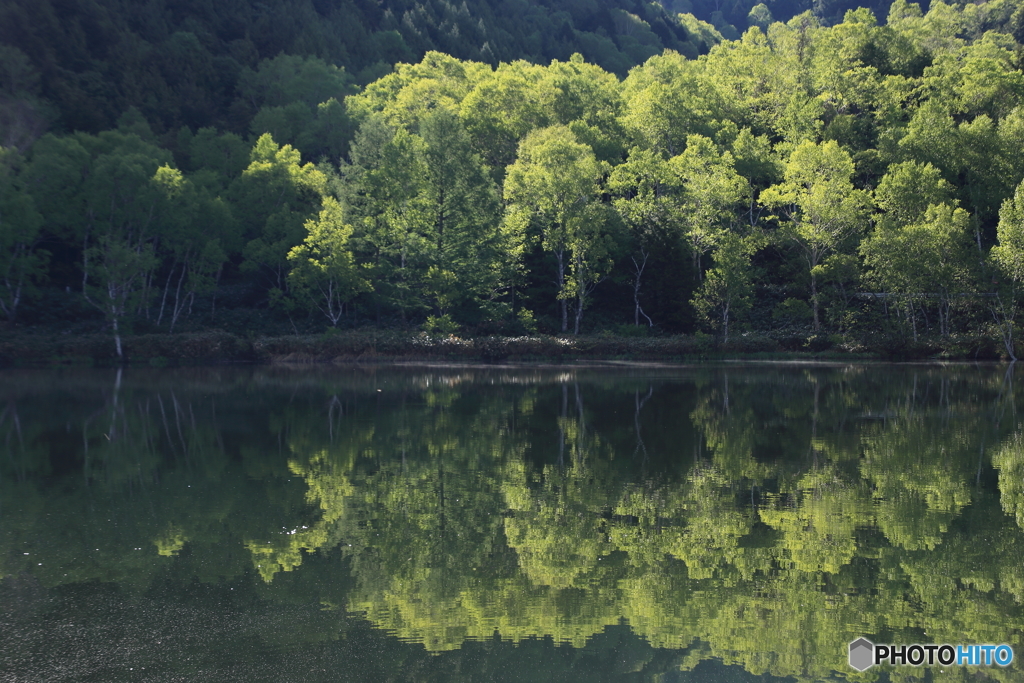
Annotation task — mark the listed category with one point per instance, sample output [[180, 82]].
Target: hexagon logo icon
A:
[[862, 654]]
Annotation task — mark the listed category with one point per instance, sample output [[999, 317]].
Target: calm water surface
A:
[[724, 524]]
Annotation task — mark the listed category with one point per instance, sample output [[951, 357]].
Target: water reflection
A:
[[763, 516]]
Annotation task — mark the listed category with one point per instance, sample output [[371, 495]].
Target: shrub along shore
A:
[[28, 349]]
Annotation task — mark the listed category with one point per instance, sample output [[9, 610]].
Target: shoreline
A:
[[217, 347]]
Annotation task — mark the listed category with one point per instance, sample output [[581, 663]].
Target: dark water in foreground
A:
[[722, 524]]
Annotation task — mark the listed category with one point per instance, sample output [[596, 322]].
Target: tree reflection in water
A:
[[760, 515]]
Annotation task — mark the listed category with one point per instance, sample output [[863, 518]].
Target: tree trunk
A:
[[579, 312], [117, 339], [560, 256], [638, 269], [12, 310], [163, 298], [814, 301], [178, 303], [1004, 320], [725, 324]]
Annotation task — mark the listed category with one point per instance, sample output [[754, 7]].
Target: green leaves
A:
[[928, 258], [324, 271], [925, 111], [727, 287], [665, 101], [275, 195], [1009, 253], [553, 185], [461, 204], [821, 205], [423, 202], [908, 189], [22, 263], [711, 191]]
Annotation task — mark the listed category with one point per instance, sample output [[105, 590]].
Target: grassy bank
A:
[[26, 349]]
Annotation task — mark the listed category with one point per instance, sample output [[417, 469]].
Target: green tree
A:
[[384, 186], [908, 189], [727, 287], [648, 203], [225, 155], [323, 268], [121, 265], [588, 99], [1009, 252], [1008, 258], [711, 191], [980, 78], [412, 91], [938, 31], [127, 187], [760, 82], [554, 184], [927, 259], [502, 108], [274, 197], [54, 177], [759, 16], [288, 78], [667, 100], [22, 262], [820, 204], [461, 203], [194, 230]]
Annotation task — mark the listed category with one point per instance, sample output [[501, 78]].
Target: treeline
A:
[[843, 179], [79, 65]]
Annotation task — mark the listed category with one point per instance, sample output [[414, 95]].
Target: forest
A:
[[634, 169]]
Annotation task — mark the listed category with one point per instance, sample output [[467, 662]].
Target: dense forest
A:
[[505, 168]]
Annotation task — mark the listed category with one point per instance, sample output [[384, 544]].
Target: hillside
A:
[[188, 63], [187, 168]]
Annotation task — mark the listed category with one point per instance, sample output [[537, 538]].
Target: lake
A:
[[720, 523]]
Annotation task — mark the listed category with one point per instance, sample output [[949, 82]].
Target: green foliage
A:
[[469, 178], [462, 207], [711, 192], [665, 102], [821, 205], [323, 271], [1009, 253], [929, 258], [553, 185], [728, 286], [793, 312], [759, 16], [460, 505], [908, 189], [22, 263], [502, 109], [1008, 259], [218, 65], [441, 325], [298, 102], [275, 195]]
